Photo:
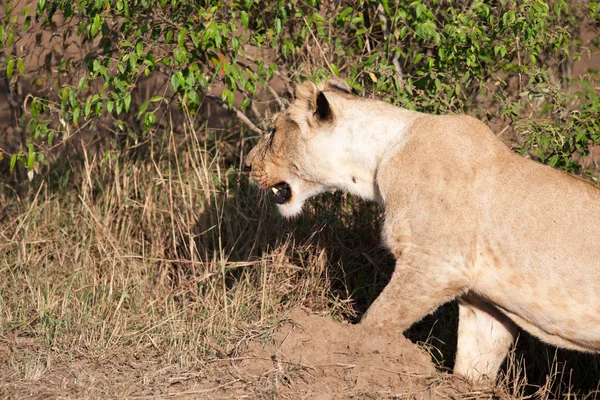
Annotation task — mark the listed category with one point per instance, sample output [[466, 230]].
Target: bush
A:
[[507, 62]]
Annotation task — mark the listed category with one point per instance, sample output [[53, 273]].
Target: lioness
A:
[[517, 242]]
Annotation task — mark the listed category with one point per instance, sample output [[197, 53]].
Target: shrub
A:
[[505, 61]]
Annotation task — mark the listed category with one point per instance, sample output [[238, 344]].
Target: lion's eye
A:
[[271, 134]]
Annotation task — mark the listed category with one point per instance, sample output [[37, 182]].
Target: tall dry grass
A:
[[164, 250]]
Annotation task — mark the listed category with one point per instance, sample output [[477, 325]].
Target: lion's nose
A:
[[247, 165]]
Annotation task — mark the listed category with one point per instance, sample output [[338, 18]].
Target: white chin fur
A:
[[300, 193], [291, 209]]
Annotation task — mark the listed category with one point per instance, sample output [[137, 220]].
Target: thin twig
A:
[[318, 45], [276, 96], [386, 34], [286, 82], [241, 116]]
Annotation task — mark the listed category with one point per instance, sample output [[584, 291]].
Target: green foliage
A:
[[490, 59], [565, 130]]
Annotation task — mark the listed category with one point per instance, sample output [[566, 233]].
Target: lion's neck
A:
[[366, 140]]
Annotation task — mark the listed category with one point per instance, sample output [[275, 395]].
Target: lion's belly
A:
[[559, 308]]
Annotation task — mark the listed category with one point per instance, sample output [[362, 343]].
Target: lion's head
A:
[[292, 157]]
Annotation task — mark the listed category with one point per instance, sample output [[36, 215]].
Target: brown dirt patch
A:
[[317, 357]]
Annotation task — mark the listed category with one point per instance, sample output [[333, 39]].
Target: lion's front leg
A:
[[414, 292]]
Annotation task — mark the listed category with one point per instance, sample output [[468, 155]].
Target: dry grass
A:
[[164, 253], [126, 273]]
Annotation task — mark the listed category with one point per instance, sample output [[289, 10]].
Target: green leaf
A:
[[143, 108], [344, 13], [418, 58], [245, 21], [334, 68], [277, 26], [225, 94], [76, 113], [181, 37], [195, 38], [95, 25], [20, 66], [13, 162], [149, 119], [386, 7], [30, 156], [35, 108], [245, 103], [10, 66], [127, 101], [465, 77], [87, 108], [40, 8], [175, 82]]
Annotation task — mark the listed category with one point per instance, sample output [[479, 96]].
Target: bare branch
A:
[[319, 46], [241, 116], [398, 70], [286, 82], [386, 33], [383, 19], [276, 96]]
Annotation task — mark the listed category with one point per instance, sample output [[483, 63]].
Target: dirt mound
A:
[[316, 357]]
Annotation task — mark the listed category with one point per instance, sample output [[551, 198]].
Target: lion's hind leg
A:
[[484, 338]]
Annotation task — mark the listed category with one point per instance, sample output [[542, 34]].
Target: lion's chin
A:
[[299, 193], [290, 209]]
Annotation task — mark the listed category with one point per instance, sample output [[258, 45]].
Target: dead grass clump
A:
[[172, 256]]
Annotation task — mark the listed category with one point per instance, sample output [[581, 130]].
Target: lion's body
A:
[[516, 241]]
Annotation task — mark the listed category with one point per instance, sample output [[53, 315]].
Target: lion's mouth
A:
[[283, 193]]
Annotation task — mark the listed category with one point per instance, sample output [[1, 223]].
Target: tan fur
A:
[[516, 241]]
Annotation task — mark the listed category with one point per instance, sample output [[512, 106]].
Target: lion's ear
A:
[[323, 110], [315, 100], [307, 93]]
